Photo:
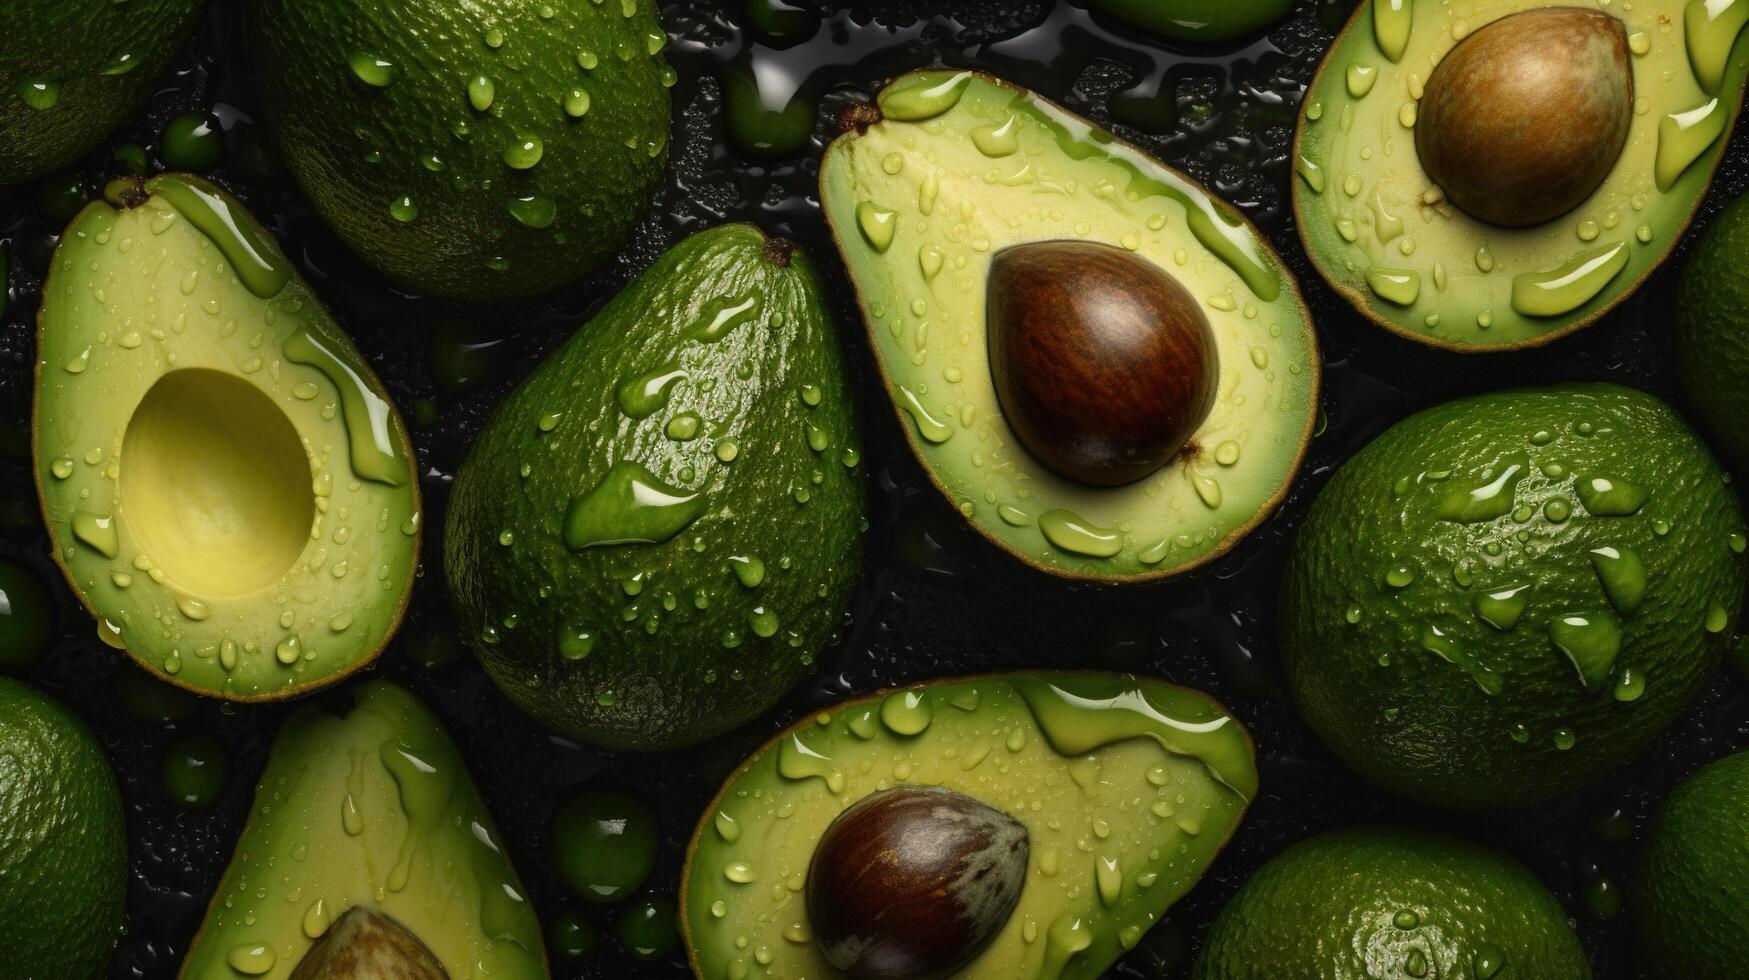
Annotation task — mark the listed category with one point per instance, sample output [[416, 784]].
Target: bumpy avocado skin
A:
[[665, 643], [63, 843], [961, 166], [368, 807], [208, 442], [1691, 911], [1425, 633], [1712, 341], [1128, 787], [1385, 239], [100, 59], [475, 151], [1376, 903]]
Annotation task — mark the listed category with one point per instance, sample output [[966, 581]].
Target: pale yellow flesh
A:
[[951, 198], [334, 827], [248, 558], [1361, 178], [1117, 833]]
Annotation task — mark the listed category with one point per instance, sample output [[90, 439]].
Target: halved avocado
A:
[[1126, 789], [368, 841], [227, 487], [1548, 216], [959, 203]]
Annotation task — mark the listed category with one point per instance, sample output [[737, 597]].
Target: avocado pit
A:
[[1103, 363], [1524, 119], [368, 945], [914, 882]]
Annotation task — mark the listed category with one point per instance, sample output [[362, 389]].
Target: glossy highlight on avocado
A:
[[1127, 789], [1552, 216], [925, 202], [70, 72], [659, 530], [496, 149], [1388, 902], [1505, 596], [227, 487], [371, 810]]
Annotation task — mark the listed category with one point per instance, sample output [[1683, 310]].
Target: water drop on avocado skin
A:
[[1563, 638], [654, 476], [523, 121]]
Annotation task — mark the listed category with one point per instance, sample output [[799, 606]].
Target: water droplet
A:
[[1590, 641], [629, 506], [372, 69], [523, 153], [1604, 497], [480, 92], [1622, 576], [532, 210], [1074, 534], [877, 225], [403, 209]]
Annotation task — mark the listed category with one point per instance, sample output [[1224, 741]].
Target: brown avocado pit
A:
[[1524, 119], [1103, 363], [914, 882], [367, 945]]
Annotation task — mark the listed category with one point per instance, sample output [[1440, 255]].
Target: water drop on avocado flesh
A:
[[1524, 119], [1104, 364]]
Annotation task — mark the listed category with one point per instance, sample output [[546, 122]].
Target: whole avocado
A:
[[1691, 909], [63, 846], [660, 528], [71, 70], [470, 150], [1504, 596], [1391, 904], [1712, 345]]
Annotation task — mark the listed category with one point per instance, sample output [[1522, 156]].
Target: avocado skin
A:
[[326, 120], [674, 683], [72, 42], [1692, 912], [1447, 743], [1323, 910], [1712, 343], [63, 849]]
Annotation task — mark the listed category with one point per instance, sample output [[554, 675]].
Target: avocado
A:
[[1507, 595], [660, 528], [1197, 20], [1712, 347], [1124, 790], [1381, 902], [227, 487], [476, 151], [71, 70], [1691, 912], [1104, 368], [63, 845], [1501, 175], [367, 831]]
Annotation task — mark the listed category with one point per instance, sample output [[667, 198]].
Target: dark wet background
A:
[[937, 600]]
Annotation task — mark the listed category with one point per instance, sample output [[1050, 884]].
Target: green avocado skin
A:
[[79, 45], [673, 655], [1369, 676], [63, 849], [446, 90], [1691, 905], [1328, 909], [1712, 339]]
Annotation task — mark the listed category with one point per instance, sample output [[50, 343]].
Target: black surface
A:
[[937, 600]]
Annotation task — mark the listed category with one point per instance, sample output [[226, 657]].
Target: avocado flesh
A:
[[1416, 265], [1128, 788], [965, 165], [70, 72], [226, 486], [496, 150], [371, 809], [660, 528], [1505, 596]]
